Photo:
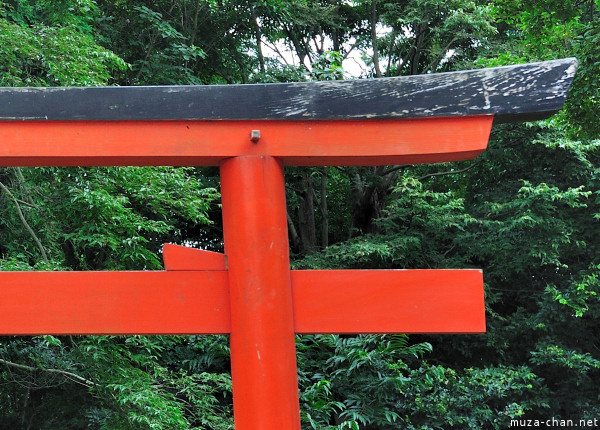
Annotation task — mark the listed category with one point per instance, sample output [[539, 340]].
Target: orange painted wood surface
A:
[[324, 301], [177, 257], [264, 373], [388, 301], [34, 303], [353, 301], [202, 143]]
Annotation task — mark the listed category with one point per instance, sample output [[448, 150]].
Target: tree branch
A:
[[436, 62], [275, 49], [395, 169], [24, 222], [451, 172], [31, 205], [69, 375]]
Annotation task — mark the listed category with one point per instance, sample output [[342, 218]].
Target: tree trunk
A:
[[258, 34], [419, 42], [294, 237], [369, 198], [306, 213], [324, 210], [374, 19]]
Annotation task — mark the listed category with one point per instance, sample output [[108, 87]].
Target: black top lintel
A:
[[510, 93]]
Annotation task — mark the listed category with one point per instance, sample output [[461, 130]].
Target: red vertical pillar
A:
[[263, 350]]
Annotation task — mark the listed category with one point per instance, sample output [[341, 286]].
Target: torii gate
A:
[[252, 132]]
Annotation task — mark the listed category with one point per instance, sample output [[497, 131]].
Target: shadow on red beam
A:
[[197, 302]]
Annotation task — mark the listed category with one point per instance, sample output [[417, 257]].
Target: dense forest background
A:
[[527, 212]]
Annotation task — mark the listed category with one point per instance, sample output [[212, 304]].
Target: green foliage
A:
[[353, 381], [546, 29], [433, 36], [583, 296], [379, 381], [107, 218], [328, 67], [139, 392], [473, 399], [46, 44], [111, 383], [184, 42], [583, 107], [168, 52], [420, 231]]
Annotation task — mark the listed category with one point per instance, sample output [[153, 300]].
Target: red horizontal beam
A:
[[388, 301], [197, 302], [33, 303], [198, 143]]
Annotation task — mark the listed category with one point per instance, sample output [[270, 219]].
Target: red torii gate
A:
[[252, 132]]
